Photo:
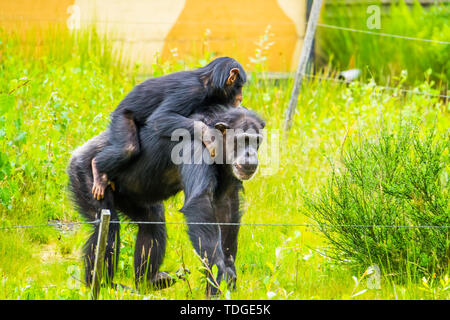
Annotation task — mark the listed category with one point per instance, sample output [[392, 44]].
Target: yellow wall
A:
[[144, 28], [233, 28], [23, 15]]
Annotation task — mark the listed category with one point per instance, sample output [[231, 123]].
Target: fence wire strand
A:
[[312, 225], [381, 34], [243, 23], [378, 86], [57, 224]]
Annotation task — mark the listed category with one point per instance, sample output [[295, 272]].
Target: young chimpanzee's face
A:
[[234, 86], [238, 95], [226, 79]]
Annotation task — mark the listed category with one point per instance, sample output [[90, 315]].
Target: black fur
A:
[[211, 195], [165, 103]]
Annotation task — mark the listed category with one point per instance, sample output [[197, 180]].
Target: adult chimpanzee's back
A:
[[165, 103], [211, 196]]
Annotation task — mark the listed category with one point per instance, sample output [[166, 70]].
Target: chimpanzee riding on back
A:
[[165, 103]]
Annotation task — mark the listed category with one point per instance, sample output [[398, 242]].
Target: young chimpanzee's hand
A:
[[209, 139]]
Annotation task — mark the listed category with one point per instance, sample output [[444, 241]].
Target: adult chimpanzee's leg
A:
[[89, 256], [150, 249], [199, 182], [113, 242], [227, 210], [112, 245]]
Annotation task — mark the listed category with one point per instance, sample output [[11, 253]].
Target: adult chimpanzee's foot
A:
[[162, 280]]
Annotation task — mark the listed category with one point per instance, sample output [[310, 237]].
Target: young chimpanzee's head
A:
[[223, 78], [242, 135]]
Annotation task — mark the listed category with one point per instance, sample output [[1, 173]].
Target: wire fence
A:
[[322, 25], [57, 224], [381, 34], [411, 91], [225, 23], [312, 225]]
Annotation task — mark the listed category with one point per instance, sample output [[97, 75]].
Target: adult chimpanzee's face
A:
[[245, 160], [241, 150]]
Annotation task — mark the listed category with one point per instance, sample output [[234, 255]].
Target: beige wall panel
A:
[[234, 28], [141, 29], [138, 28], [25, 15]]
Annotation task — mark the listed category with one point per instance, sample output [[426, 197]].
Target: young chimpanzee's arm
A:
[[173, 114], [191, 94]]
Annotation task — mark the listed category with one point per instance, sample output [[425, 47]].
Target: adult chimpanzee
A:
[[211, 194], [165, 103]]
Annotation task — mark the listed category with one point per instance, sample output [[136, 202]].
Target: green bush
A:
[[398, 179]]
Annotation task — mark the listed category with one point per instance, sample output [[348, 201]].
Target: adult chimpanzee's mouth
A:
[[241, 174]]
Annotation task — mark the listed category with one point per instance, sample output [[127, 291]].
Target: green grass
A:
[[384, 58], [53, 98]]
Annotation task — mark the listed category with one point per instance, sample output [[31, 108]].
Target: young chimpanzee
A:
[[164, 103], [212, 192]]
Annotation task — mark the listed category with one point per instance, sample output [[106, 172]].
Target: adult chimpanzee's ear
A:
[[233, 75], [222, 126]]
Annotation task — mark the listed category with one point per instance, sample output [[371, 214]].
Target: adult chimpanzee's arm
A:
[[199, 183], [228, 211]]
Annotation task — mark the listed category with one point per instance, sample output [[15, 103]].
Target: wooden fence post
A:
[[100, 252], [306, 49]]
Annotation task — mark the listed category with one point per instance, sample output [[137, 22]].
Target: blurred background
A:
[[262, 33]]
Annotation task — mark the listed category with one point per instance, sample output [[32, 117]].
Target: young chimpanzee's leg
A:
[[123, 145], [100, 182]]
